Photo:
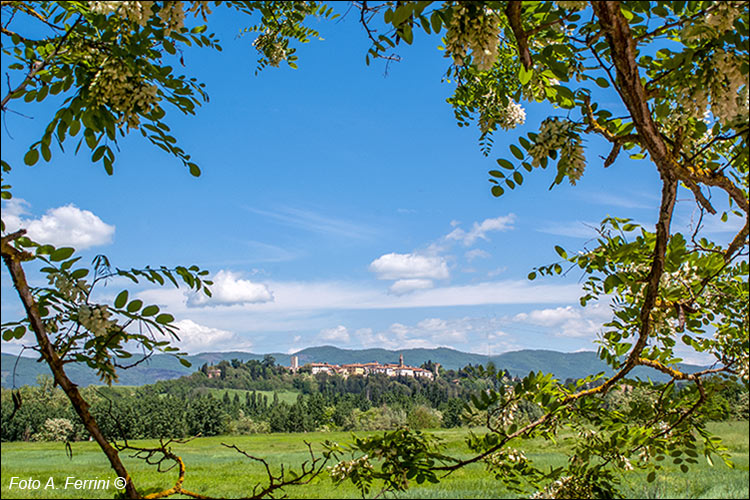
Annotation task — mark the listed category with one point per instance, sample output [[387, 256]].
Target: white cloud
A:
[[405, 286], [476, 254], [229, 289], [301, 297], [568, 321], [339, 334], [480, 229], [196, 338], [62, 226], [409, 265]]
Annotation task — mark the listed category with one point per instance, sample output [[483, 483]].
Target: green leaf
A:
[[61, 254], [516, 151], [531, 276], [497, 191], [121, 299], [185, 362], [518, 177], [150, 310], [602, 82], [46, 153], [33, 156], [505, 164], [561, 252], [19, 332], [134, 305], [651, 476], [79, 273], [98, 153], [165, 318], [610, 282], [524, 75]]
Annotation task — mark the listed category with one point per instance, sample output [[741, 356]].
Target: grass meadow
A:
[[220, 472]]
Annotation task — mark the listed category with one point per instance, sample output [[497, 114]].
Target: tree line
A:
[[199, 405]]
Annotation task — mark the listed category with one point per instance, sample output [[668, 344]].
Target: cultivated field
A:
[[216, 471]]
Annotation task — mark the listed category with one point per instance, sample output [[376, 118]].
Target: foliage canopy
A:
[[679, 73]]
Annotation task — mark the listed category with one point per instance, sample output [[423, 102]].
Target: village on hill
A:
[[391, 370]]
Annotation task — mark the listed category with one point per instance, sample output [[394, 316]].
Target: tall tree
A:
[[112, 63], [676, 80]]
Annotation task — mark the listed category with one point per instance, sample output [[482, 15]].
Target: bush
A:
[[54, 429], [376, 419], [424, 417], [246, 425]]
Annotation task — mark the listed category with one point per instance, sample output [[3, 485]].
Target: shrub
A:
[[424, 417], [54, 429]]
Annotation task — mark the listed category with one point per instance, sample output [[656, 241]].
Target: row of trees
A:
[[159, 411]]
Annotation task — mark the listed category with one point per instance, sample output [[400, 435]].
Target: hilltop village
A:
[[363, 369], [392, 370]]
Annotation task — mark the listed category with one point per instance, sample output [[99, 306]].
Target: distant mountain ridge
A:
[[162, 367]]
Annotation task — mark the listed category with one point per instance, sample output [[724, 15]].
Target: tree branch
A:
[[12, 258]]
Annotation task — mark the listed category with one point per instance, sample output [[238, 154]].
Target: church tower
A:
[[400, 360]]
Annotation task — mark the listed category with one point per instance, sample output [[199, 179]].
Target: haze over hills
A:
[[161, 367]]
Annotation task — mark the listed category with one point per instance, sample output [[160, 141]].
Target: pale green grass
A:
[[220, 472]]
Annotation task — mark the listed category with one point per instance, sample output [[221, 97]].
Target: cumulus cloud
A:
[[480, 229], [401, 287], [396, 266], [62, 226], [568, 321], [196, 338], [228, 289], [339, 334]]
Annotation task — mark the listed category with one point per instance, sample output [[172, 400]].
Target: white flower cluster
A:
[[558, 135], [727, 102], [138, 12], [719, 20], [95, 319], [71, 290], [172, 14], [572, 5], [124, 92], [344, 469], [500, 459], [566, 487], [54, 429], [507, 117], [721, 83], [494, 113], [271, 47], [480, 33]]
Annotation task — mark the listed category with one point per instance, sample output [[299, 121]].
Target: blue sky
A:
[[337, 206]]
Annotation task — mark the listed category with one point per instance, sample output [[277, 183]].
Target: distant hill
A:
[[162, 367]]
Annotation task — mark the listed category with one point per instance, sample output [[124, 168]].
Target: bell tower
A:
[[400, 360]]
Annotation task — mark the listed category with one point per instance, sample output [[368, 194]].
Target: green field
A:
[[217, 471]]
